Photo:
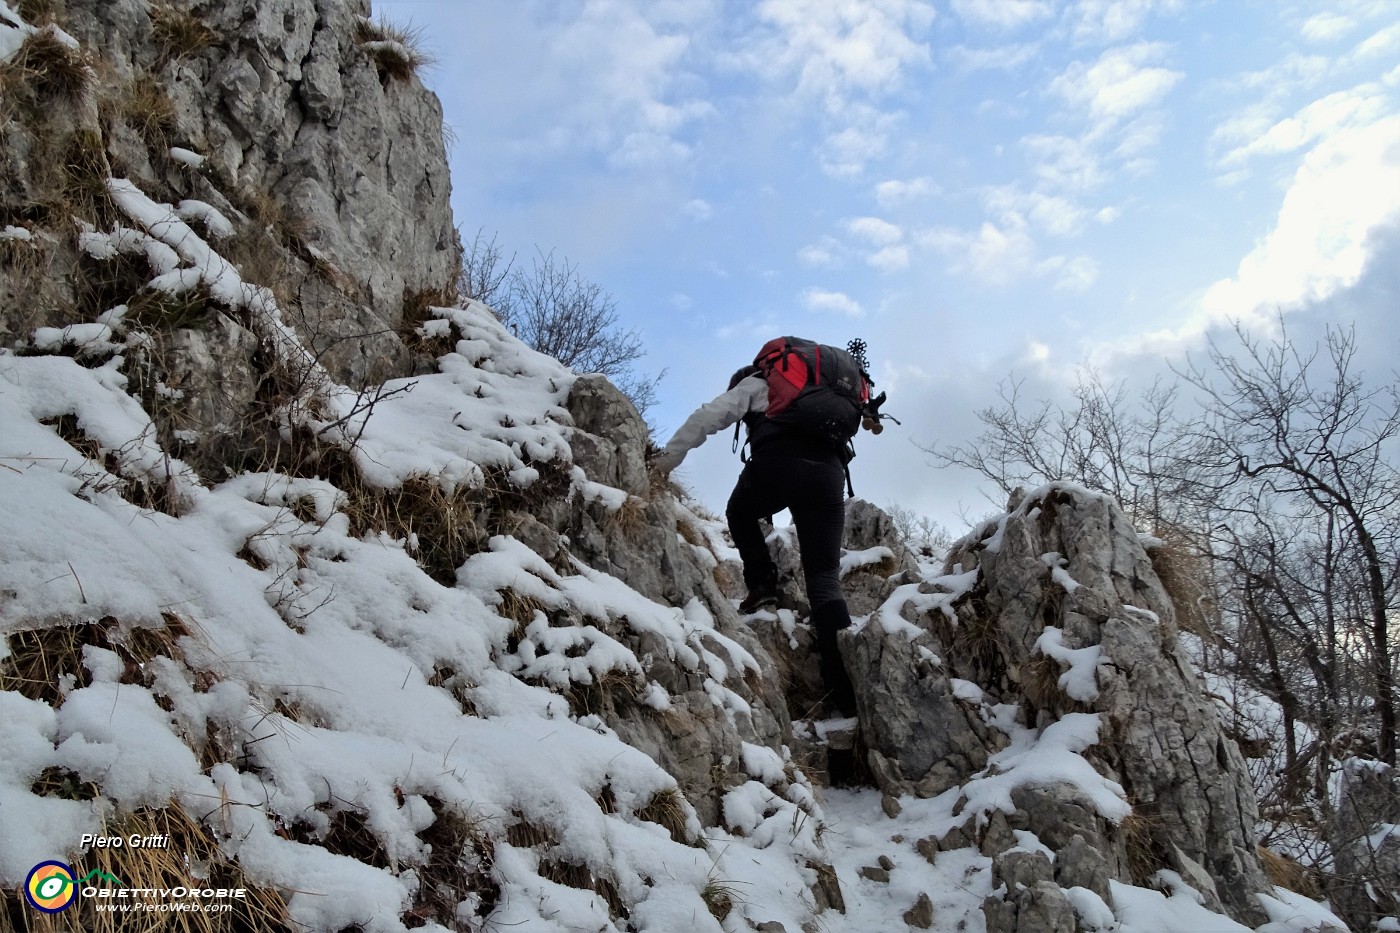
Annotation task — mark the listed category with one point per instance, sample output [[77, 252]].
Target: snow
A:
[[187, 157], [1046, 758], [346, 680], [1079, 681]]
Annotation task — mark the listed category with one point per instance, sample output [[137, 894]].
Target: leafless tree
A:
[[557, 311], [1107, 440], [1304, 433], [1284, 479], [485, 272]]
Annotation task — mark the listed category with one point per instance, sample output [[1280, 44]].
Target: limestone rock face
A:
[[923, 739], [642, 541], [331, 170], [1365, 844], [610, 438], [1054, 611]]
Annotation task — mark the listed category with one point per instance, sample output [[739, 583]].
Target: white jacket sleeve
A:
[[751, 394]]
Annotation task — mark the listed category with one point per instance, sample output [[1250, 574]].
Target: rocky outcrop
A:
[[321, 156], [1365, 839], [642, 538], [1050, 620]]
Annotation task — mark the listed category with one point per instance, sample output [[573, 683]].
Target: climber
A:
[[791, 466]]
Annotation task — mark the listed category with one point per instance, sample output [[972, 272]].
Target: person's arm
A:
[[751, 394]]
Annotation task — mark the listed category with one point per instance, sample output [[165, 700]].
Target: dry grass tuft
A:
[[1288, 873], [396, 51], [667, 809], [1140, 833], [630, 519], [192, 859], [48, 65], [447, 526], [148, 109], [162, 311], [459, 869], [45, 663], [519, 608], [1040, 682], [179, 33], [37, 12], [979, 640], [1186, 576], [83, 171], [417, 310]]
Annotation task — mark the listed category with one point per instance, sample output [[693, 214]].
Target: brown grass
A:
[[1185, 576], [397, 51], [1288, 873], [179, 33], [192, 859], [1040, 682], [1140, 833], [667, 810], [42, 661], [147, 108], [49, 67], [458, 869]]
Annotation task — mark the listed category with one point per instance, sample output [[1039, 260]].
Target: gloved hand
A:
[[666, 461]]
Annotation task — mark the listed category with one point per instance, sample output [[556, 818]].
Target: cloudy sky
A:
[[977, 188]]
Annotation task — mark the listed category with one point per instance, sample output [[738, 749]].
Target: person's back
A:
[[794, 467]]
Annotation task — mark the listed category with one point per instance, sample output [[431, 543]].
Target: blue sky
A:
[[975, 187]]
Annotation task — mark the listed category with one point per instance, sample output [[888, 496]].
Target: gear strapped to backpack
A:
[[819, 390]]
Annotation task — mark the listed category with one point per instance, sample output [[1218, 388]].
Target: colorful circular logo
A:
[[49, 887]]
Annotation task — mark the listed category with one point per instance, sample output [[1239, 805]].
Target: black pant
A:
[[814, 492]]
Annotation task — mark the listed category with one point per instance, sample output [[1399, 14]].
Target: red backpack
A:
[[814, 388]]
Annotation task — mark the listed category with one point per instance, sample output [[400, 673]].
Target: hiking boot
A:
[[758, 599]]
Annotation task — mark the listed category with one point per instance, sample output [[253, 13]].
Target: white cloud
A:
[[864, 137], [697, 209], [896, 192], [1383, 43], [1320, 118], [1001, 58], [890, 258], [1324, 27], [1003, 14], [836, 50], [1124, 81], [1054, 214], [1342, 195], [825, 254], [820, 299], [610, 78], [875, 230], [1341, 200], [1115, 20], [1068, 163], [1073, 274], [994, 254]]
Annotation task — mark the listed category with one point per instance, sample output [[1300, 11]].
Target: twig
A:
[[81, 594]]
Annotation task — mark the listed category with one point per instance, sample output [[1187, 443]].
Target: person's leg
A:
[[759, 493], [819, 512]]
